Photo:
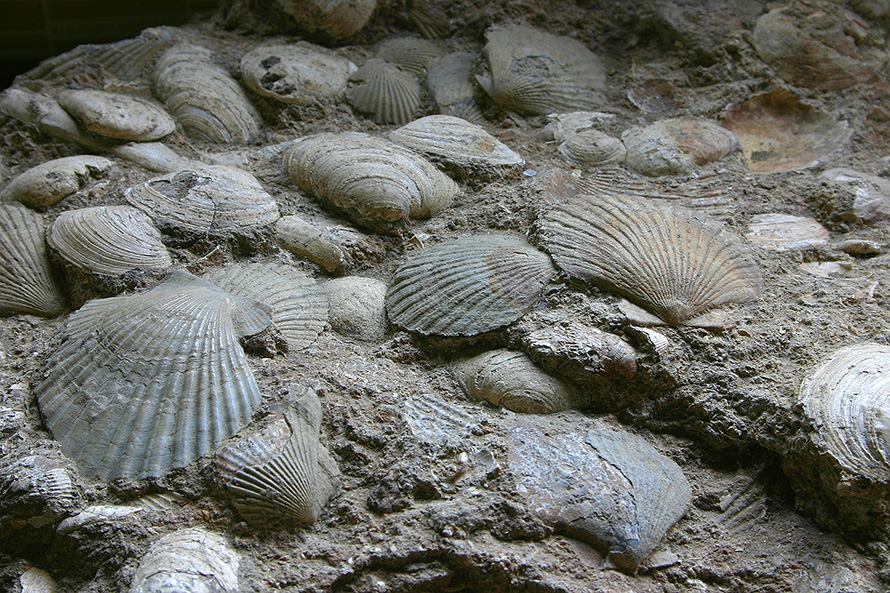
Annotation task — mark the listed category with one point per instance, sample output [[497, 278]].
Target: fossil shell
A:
[[26, 284], [386, 93], [39, 489], [450, 80], [336, 19], [206, 101], [467, 286], [116, 115], [49, 117], [512, 380], [211, 199], [782, 232], [409, 53], [48, 183], [332, 247], [191, 560], [594, 148], [96, 514], [536, 73], [674, 146], [151, 382], [299, 305], [377, 183], [848, 399], [432, 419], [429, 18], [153, 156], [282, 472], [673, 265], [35, 580], [299, 73], [110, 240], [854, 195], [874, 9], [357, 307]]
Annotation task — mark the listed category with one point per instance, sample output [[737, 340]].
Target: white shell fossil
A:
[[49, 182], [116, 115], [299, 73], [593, 148], [450, 80], [357, 307], [386, 93], [333, 247], [336, 19], [377, 183], [193, 560], [49, 117], [467, 286], [783, 232], [150, 382], [674, 146]]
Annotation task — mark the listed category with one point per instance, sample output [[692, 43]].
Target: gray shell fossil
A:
[[116, 115], [299, 73], [536, 73], [281, 473], [333, 247], [203, 97], [409, 53], [26, 283], [358, 307], [386, 93], [467, 286], [52, 181], [151, 382], [675, 266], [336, 19], [193, 560], [847, 397], [109, 240], [512, 380], [593, 148], [450, 80], [674, 146], [38, 488], [375, 182]]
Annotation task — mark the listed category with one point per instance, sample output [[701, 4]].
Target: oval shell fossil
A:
[[190, 559], [298, 73], [674, 146], [386, 93], [116, 115], [377, 183], [147, 383], [336, 19], [52, 181], [593, 148], [467, 286], [358, 307]]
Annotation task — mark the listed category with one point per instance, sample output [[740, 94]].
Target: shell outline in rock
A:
[[676, 145], [336, 19], [298, 73], [385, 92], [192, 559]]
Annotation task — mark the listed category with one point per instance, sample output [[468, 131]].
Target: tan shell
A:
[[384, 92], [409, 53], [49, 117], [593, 148], [116, 115], [357, 307], [299, 73], [336, 19], [783, 232], [50, 182], [674, 146], [188, 560], [450, 80]]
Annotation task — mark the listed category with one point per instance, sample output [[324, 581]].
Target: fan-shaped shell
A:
[[409, 53], [848, 399], [336, 19], [673, 265], [377, 183], [299, 305], [208, 102], [429, 18], [147, 383], [110, 240], [116, 115], [26, 284], [467, 286], [594, 148], [674, 146], [536, 73], [188, 560], [511, 379], [50, 182], [298, 73], [450, 80], [386, 93]]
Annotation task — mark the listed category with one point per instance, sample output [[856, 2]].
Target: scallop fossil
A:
[[511, 379], [282, 473], [467, 286], [52, 181], [674, 146], [409, 53], [377, 183], [299, 73], [385, 92], [670, 263], [38, 488], [26, 284], [336, 19], [190, 559], [109, 240], [429, 18], [450, 80], [208, 102], [147, 383], [116, 115], [536, 73], [848, 399], [593, 148]]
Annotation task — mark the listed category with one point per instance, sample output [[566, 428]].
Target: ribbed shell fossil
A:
[[298, 73], [336, 19], [593, 148], [147, 383], [206, 101], [377, 183], [536, 73], [109, 240], [386, 93], [450, 80], [26, 284], [38, 488], [191, 560], [116, 115], [674, 146], [673, 265], [50, 182], [409, 53], [510, 379], [467, 286], [848, 399]]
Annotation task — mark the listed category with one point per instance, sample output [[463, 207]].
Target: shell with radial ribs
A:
[[335, 19], [669, 262], [450, 80], [510, 379], [204, 98], [593, 148], [188, 560], [117, 115], [467, 286], [39, 487], [151, 382], [108, 240], [409, 53], [26, 284], [674, 146], [536, 73], [299, 73], [388, 94], [50, 182], [375, 182], [281, 473]]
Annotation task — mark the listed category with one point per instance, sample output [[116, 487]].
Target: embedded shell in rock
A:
[[409, 53], [336, 19], [377, 183], [386, 93], [467, 286], [593, 148], [450, 80], [116, 115], [193, 560], [298, 73], [674, 146], [123, 392], [52, 181]]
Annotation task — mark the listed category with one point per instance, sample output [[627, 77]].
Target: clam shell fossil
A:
[[593, 148], [386, 93], [358, 307], [52, 181], [116, 115], [377, 183], [336, 19], [674, 146], [190, 559], [511, 379], [783, 232], [147, 383], [49, 117], [450, 80], [409, 53], [299, 73], [203, 98], [664, 259], [26, 284], [109, 240], [467, 286]]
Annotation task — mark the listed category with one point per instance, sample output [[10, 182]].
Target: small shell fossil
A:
[[450, 80], [299, 73], [357, 307], [429, 18], [116, 115], [783, 232], [385, 92], [49, 117], [409, 53], [335, 19], [36, 580], [512, 380], [593, 148], [50, 182], [854, 195], [332, 247], [674, 146], [467, 286], [190, 559], [39, 489]]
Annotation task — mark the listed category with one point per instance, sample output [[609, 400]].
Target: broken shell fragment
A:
[[450, 80], [854, 196], [783, 232], [190, 559], [299, 73], [52, 181], [674, 146], [116, 115], [336, 19], [39, 489], [386, 93]]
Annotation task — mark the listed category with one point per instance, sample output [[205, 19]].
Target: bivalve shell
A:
[[191, 560], [783, 232], [358, 307], [450, 80], [39, 489], [52, 181], [593, 148], [299, 73], [336, 19], [386, 93], [674, 146], [116, 115], [409, 53]]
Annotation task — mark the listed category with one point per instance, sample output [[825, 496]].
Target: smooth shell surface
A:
[[673, 265], [357, 307], [336, 19], [147, 383], [450, 80], [192, 560], [593, 148], [299, 73], [467, 286], [50, 182], [386, 93], [116, 115], [783, 232], [674, 146]]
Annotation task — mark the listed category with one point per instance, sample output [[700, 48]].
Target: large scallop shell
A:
[[26, 284], [673, 146], [116, 115], [385, 92], [336, 19], [50, 182], [109, 240], [190, 559], [450, 80], [151, 382], [467, 286], [208, 102], [298, 73], [377, 183], [673, 265]]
